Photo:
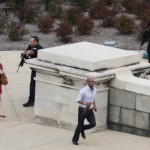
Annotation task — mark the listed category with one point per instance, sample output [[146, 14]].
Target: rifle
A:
[[23, 58]]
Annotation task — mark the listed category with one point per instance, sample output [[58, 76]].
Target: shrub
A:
[[109, 2], [138, 6], [127, 4], [72, 14], [83, 4], [16, 30], [64, 31], [96, 9], [55, 9], [28, 13], [144, 14], [108, 16], [47, 3], [84, 25], [45, 23], [125, 25], [145, 17], [3, 22]]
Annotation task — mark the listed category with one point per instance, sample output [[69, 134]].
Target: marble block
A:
[[88, 56]]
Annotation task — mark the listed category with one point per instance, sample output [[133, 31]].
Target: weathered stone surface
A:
[[101, 117], [125, 80], [129, 129], [82, 55], [65, 95], [122, 98], [102, 99], [46, 91], [134, 118], [69, 114], [143, 103], [142, 120], [127, 117], [114, 114], [48, 109]]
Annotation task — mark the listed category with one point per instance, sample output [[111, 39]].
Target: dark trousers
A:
[[148, 51], [89, 115], [32, 88]]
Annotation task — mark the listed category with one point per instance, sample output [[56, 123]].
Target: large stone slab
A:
[[127, 117], [89, 56], [122, 98], [142, 120], [134, 118], [114, 114], [102, 99], [143, 103]]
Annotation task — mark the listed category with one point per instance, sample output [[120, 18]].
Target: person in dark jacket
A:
[[31, 52], [146, 38]]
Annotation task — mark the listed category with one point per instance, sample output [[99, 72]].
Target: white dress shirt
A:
[[87, 95]]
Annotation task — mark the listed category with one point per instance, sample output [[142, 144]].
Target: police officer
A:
[[31, 52], [86, 100]]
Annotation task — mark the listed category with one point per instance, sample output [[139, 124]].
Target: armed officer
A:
[[31, 52], [146, 38]]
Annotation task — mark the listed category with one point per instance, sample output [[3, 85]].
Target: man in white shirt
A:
[[86, 100]]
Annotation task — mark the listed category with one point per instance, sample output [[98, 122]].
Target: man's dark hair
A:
[[35, 38]]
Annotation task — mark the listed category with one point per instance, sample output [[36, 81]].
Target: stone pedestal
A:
[[56, 100], [62, 71]]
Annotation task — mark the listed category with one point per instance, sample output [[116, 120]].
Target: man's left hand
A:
[[95, 109]]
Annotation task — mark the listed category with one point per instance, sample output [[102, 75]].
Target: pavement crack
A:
[[13, 106]]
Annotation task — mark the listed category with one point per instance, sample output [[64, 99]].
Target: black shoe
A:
[[83, 135], [28, 104], [75, 142]]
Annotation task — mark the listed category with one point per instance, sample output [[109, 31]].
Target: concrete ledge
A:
[[122, 98], [126, 81], [143, 103]]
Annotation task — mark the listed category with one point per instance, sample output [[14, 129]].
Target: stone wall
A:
[[129, 112], [56, 104]]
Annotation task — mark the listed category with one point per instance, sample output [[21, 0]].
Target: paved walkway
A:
[[19, 132]]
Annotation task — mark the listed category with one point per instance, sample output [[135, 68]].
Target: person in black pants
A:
[[31, 52], [146, 38], [86, 100]]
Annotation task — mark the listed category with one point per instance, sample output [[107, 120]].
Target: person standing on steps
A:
[[31, 52], [86, 100]]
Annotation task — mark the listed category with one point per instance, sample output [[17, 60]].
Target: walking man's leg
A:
[[90, 119], [79, 127]]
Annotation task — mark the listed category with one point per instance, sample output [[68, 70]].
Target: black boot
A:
[[28, 104]]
